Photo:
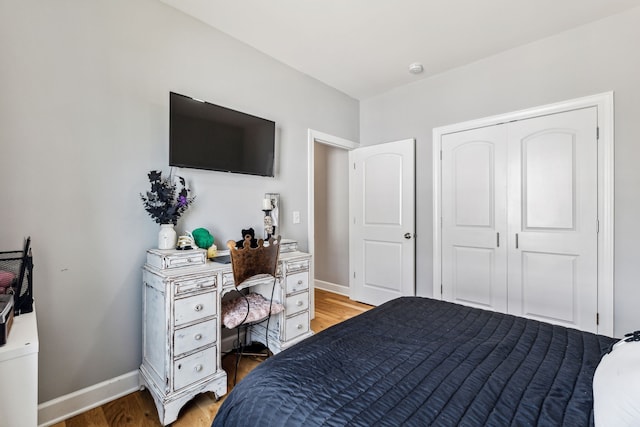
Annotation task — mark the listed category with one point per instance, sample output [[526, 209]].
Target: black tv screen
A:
[[208, 136]]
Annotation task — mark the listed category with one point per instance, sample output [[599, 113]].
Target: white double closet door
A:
[[519, 218]]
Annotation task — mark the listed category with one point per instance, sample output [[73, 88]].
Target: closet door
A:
[[552, 175], [474, 185]]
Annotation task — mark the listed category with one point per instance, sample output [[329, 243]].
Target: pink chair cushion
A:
[[6, 278], [234, 310]]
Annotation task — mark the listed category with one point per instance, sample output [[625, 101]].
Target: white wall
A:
[[596, 58], [331, 217], [84, 116]]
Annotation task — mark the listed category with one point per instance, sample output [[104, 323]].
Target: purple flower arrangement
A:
[[164, 202]]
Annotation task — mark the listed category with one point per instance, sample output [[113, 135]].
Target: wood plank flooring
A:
[[137, 409]]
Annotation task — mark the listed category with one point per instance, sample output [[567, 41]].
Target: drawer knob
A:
[[299, 326], [299, 282], [198, 368], [299, 303], [198, 337], [198, 307]]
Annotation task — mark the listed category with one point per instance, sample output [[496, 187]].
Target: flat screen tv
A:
[[211, 137]]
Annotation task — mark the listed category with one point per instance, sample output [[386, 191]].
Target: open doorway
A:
[[328, 209], [331, 213]]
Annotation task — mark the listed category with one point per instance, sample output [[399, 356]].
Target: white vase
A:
[[167, 237]]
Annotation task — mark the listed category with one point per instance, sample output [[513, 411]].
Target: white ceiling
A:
[[364, 47]]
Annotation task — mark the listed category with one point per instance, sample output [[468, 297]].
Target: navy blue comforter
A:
[[419, 362]]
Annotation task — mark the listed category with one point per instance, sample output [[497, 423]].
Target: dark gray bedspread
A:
[[419, 362]]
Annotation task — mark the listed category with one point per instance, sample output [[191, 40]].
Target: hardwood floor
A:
[[138, 409]]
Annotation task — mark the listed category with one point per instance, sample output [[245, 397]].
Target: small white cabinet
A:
[[19, 373], [181, 350]]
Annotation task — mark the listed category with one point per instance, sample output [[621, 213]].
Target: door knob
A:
[[407, 235]]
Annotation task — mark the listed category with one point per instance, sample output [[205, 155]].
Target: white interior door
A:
[[474, 217], [382, 229], [553, 217]]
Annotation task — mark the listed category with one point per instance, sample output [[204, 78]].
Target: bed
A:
[[418, 361]]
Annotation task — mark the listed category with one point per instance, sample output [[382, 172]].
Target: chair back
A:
[[247, 262]]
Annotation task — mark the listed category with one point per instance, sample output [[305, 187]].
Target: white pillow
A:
[[616, 387]]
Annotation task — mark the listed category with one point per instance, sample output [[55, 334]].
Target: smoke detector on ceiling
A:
[[416, 68]]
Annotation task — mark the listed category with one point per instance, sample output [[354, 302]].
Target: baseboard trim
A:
[[332, 287], [64, 407]]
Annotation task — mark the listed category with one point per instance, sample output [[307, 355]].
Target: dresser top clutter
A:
[[183, 336]]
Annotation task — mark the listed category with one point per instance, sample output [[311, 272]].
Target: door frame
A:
[[313, 137], [604, 104]]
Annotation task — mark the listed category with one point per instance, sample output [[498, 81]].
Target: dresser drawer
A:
[[296, 303], [294, 266], [296, 325], [193, 368], [192, 337], [297, 282], [227, 279], [287, 246], [172, 258], [195, 308], [183, 286]]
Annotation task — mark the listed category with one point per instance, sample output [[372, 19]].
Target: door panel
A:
[[382, 276], [553, 218], [549, 286], [474, 217], [548, 162], [382, 230], [473, 172], [473, 275], [382, 185]]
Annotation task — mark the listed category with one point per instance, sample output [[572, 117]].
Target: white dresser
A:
[[181, 353], [181, 349]]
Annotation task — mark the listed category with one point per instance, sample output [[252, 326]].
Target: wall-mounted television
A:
[[211, 137]]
